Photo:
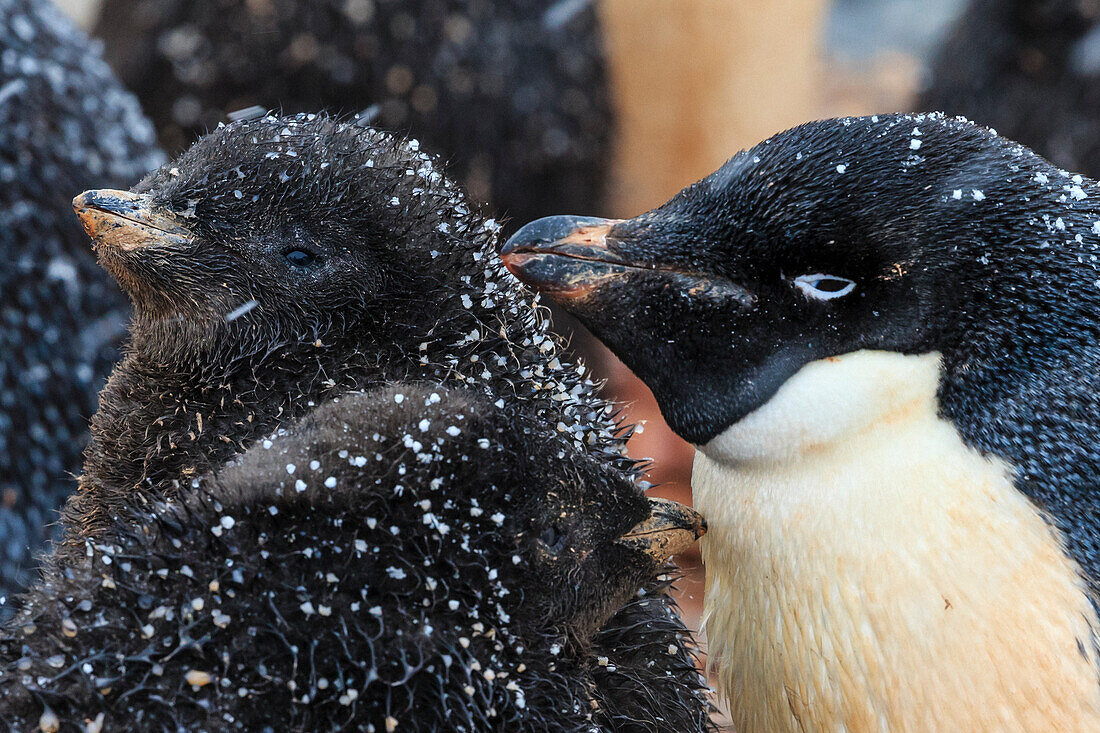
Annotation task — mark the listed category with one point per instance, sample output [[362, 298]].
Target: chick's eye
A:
[[553, 538], [300, 258], [824, 287]]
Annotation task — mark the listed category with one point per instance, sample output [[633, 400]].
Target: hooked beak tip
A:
[[126, 220], [562, 256], [671, 529]]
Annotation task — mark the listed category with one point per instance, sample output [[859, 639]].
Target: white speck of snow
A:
[[1041, 178], [330, 482], [498, 519], [957, 194], [977, 195], [841, 168], [914, 144], [299, 486], [1077, 193], [291, 468], [399, 398], [241, 310]]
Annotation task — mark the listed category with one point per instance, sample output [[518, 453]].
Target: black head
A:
[[305, 227], [836, 236], [557, 540]]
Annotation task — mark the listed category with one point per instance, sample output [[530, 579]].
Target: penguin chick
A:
[[284, 262], [515, 94], [65, 123], [1028, 68], [281, 262], [410, 558], [883, 336]]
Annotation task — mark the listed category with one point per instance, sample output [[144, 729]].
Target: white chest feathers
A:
[[866, 571]]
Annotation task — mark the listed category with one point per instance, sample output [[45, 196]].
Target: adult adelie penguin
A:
[[883, 336], [65, 124]]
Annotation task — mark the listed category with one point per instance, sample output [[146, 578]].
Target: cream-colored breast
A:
[[866, 571]]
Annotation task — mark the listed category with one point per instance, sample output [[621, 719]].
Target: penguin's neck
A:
[[160, 425], [867, 571]]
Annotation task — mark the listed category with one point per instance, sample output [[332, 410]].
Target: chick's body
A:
[[410, 558], [65, 124]]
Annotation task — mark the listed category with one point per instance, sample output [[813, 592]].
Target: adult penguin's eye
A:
[[300, 258], [824, 287], [553, 538]]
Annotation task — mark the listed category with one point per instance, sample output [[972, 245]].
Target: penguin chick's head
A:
[[905, 233], [305, 224], [560, 540]]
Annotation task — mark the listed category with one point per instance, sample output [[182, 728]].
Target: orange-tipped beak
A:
[[565, 257], [127, 221]]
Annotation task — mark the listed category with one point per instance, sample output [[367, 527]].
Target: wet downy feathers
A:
[[409, 558]]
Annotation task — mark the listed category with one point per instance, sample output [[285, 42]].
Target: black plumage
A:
[[306, 257], [282, 263], [955, 240], [513, 93], [65, 124], [411, 558], [1031, 70]]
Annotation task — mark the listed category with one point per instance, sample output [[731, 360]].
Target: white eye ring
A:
[[824, 287]]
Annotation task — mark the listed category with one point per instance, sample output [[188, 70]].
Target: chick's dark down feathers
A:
[[376, 564], [234, 340]]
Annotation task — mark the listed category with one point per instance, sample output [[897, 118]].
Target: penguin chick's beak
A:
[[127, 221], [671, 529]]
